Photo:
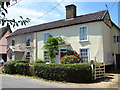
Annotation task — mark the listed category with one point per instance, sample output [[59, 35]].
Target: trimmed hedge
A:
[[9, 67], [65, 72], [17, 67]]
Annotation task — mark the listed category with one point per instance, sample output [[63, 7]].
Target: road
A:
[[9, 81]]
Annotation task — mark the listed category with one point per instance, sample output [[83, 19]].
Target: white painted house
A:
[[91, 35]]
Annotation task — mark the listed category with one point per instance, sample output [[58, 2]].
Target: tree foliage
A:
[[52, 46], [13, 22]]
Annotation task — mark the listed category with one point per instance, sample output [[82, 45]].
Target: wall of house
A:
[[115, 46], [3, 43], [107, 44], [71, 35], [20, 45]]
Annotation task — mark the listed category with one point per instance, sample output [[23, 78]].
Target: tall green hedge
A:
[[65, 72], [17, 67]]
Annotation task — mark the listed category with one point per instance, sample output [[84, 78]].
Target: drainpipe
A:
[[36, 45]]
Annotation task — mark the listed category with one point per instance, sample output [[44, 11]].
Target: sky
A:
[[34, 9]]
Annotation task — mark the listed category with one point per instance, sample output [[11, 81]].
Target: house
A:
[[92, 35], [3, 41]]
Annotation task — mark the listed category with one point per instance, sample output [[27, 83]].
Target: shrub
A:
[[22, 68], [21, 61], [69, 59], [71, 52], [40, 61], [16, 67], [9, 67], [65, 72]]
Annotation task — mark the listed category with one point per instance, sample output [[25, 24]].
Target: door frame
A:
[[60, 48]]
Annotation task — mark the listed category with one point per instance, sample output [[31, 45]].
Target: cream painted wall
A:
[[71, 35], [107, 43], [115, 46], [20, 44]]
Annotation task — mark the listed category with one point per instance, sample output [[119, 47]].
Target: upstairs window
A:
[[13, 42], [83, 33], [117, 39], [46, 36], [28, 39]]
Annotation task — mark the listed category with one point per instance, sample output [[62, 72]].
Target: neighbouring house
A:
[[3, 42], [92, 35]]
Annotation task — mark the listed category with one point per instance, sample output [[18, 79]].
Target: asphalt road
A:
[[9, 81]]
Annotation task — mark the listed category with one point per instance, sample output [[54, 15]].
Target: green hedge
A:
[[9, 67], [65, 72], [16, 67]]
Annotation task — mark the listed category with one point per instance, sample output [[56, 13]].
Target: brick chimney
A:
[[70, 11]]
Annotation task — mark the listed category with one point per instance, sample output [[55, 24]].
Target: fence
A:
[[98, 70]]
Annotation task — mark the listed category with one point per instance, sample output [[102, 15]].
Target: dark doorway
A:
[[118, 61]]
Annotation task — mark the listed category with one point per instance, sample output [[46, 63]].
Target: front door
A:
[[118, 61], [61, 53]]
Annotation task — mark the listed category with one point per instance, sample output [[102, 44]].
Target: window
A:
[[46, 36], [117, 39], [46, 57], [28, 55], [84, 54], [83, 33], [13, 42], [28, 38], [109, 56]]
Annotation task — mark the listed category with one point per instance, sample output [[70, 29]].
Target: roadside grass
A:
[[115, 85]]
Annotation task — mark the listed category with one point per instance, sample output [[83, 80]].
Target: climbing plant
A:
[[52, 46]]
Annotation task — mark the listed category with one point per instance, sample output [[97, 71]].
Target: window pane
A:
[[84, 54]]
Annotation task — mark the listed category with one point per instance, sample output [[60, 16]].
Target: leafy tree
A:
[[52, 46], [13, 22]]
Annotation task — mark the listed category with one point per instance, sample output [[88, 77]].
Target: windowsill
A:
[[83, 41]]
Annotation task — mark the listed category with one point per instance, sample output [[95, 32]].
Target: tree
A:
[[4, 20], [52, 46]]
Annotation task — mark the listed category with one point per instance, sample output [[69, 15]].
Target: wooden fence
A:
[[98, 70]]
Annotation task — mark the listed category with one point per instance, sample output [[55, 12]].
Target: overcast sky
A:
[[34, 9]]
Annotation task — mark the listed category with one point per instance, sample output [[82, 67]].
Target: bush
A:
[[22, 68], [40, 61], [9, 67], [16, 67], [69, 59], [21, 61], [65, 72]]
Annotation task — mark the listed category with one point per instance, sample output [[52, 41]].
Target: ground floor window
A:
[[46, 57], [28, 56], [84, 54]]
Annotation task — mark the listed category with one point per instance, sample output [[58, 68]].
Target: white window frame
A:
[[27, 38], [44, 41], [87, 52], [12, 42], [79, 33], [109, 56], [115, 39], [26, 55]]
